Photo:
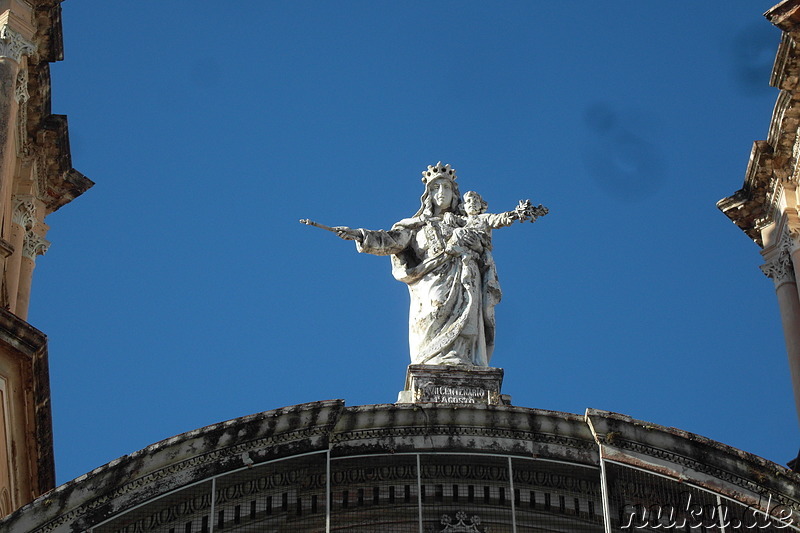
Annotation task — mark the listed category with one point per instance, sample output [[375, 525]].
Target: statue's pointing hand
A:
[[344, 232], [348, 234]]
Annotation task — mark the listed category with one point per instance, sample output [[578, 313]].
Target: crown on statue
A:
[[438, 171]]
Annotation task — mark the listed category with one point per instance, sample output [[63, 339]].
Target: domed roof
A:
[[510, 464]]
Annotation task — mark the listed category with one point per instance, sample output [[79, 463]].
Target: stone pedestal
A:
[[464, 385]]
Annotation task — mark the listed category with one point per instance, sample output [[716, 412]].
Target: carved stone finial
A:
[[13, 45]]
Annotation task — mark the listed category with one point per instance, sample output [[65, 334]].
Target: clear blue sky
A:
[[181, 290]]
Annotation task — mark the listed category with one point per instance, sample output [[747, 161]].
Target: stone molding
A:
[[750, 208], [30, 346], [6, 248], [20, 335], [328, 427], [38, 171], [783, 59], [790, 238], [22, 96], [21, 93], [13, 45], [713, 465], [690, 463], [785, 15], [459, 431], [277, 424], [59, 183], [773, 163], [355, 472]]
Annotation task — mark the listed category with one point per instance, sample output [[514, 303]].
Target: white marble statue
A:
[[443, 255]]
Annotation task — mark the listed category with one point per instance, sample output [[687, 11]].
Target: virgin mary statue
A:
[[453, 287]]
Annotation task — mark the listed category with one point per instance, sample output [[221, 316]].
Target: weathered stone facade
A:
[[327, 467], [766, 207], [36, 178]]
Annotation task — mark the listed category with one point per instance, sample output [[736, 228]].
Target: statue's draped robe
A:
[[451, 317]]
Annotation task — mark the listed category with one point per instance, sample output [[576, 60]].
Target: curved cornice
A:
[[396, 429], [772, 162], [689, 457]]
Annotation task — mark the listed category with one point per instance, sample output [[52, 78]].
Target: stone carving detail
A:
[[271, 482], [13, 45], [448, 384], [790, 239], [165, 475], [556, 481], [25, 215], [780, 269], [40, 174], [461, 525], [698, 466], [546, 439], [34, 245], [24, 212], [23, 146], [349, 474], [443, 254], [21, 90], [22, 96]]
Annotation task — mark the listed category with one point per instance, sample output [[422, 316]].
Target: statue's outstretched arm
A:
[[376, 242], [501, 220], [348, 234], [527, 211]]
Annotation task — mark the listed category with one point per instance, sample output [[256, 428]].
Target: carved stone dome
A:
[[412, 468]]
